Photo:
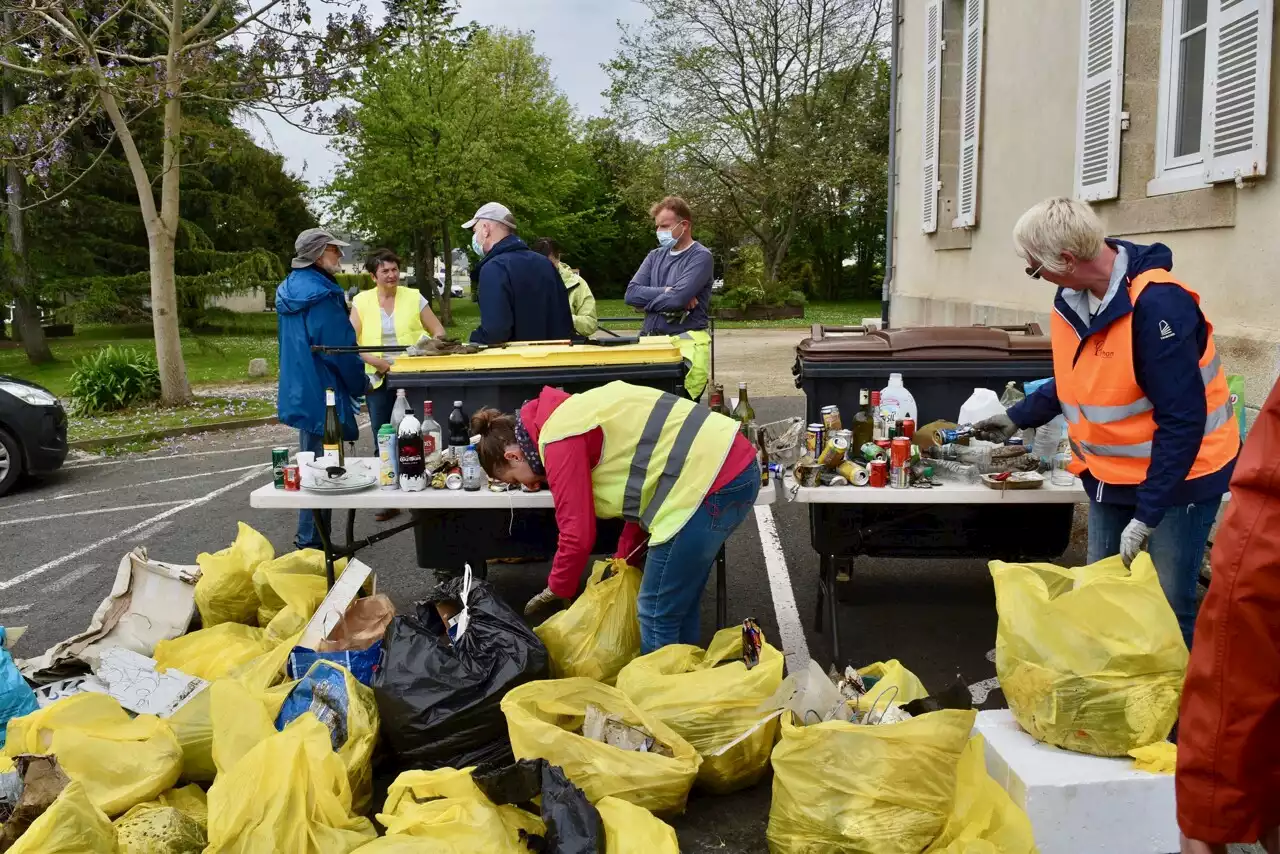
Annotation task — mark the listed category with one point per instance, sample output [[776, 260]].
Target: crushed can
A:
[[752, 641]]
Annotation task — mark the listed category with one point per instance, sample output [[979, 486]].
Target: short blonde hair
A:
[[1055, 226]]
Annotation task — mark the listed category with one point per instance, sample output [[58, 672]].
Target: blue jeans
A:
[[307, 536], [1176, 547], [675, 572], [381, 401]]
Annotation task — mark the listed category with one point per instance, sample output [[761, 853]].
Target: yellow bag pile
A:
[[887, 788], [629, 829], [712, 704], [214, 652], [1090, 658], [599, 633], [290, 588], [544, 720], [71, 825], [894, 684], [288, 792], [174, 823], [120, 761], [224, 593], [984, 819]]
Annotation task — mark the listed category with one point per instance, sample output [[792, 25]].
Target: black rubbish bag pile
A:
[[573, 824]]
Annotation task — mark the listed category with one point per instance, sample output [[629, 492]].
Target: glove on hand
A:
[[995, 429], [1132, 539]]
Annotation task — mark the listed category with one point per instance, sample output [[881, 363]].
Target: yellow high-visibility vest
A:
[[695, 347], [407, 316]]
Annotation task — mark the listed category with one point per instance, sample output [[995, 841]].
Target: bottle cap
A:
[[458, 403], [475, 440]]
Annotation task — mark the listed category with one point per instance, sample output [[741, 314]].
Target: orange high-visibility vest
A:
[[1110, 422]]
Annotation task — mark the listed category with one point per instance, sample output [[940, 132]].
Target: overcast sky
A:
[[576, 35]]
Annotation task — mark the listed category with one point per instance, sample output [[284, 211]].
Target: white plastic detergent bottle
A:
[[895, 396], [981, 405]]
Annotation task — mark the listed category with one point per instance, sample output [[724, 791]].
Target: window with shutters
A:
[[970, 116], [1101, 93], [931, 128]]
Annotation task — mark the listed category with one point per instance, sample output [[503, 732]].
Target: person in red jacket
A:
[[682, 476], [1228, 778]]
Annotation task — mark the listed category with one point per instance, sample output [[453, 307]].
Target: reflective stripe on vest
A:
[[660, 455], [407, 316], [1110, 423]]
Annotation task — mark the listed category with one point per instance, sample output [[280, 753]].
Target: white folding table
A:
[[428, 501], [911, 498]]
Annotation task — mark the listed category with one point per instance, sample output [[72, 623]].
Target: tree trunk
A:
[[174, 388], [429, 254], [446, 295]]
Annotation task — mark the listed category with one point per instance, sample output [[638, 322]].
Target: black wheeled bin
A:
[[940, 366], [504, 378]]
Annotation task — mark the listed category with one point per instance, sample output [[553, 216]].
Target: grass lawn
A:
[[145, 419]]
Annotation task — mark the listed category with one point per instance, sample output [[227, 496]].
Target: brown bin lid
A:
[[924, 343]]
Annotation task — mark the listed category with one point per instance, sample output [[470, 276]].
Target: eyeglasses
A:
[[1035, 274]]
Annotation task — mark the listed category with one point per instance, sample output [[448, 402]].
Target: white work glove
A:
[[545, 599], [1132, 539], [996, 429]]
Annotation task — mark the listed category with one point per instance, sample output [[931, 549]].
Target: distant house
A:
[[1161, 113]]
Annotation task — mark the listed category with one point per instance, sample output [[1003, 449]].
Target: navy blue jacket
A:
[[522, 297], [1168, 372], [311, 309]]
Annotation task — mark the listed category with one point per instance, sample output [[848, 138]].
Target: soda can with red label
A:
[[900, 451], [879, 470], [292, 478]]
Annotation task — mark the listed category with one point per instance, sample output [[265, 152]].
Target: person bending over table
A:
[[682, 476]]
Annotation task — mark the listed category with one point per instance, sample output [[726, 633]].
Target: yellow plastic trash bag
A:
[[71, 825], [544, 720], [893, 684], [399, 845], [599, 633], [214, 652], [120, 761], [1158, 758], [886, 789], [154, 829], [288, 793], [224, 593], [984, 819], [192, 725], [269, 668], [629, 829], [447, 807], [712, 704], [1090, 658], [304, 563]]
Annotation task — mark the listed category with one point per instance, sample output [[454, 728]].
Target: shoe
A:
[[385, 515]]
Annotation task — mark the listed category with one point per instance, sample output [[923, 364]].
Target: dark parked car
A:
[[33, 431]]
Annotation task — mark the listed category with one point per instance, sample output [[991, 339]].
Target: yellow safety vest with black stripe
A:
[[1110, 421], [407, 316], [695, 348], [661, 452]]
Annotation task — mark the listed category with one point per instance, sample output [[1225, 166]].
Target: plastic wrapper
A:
[[712, 700], [120, 761], [572, 825], [16, 697], [1090, 658], [888, 682], [214, 652], [300, 564], [984, 819], [225, 593], [288, 793], [545, 721], [599, 633], [839, 786], [439, 699], [72, 825]]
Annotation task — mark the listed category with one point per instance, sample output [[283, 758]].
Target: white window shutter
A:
[[932, 106], [1238, 76], [1101, 94], [970, 115]]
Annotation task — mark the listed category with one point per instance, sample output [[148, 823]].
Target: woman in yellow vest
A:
[[681, 476], [388, 315], [1138, 379]]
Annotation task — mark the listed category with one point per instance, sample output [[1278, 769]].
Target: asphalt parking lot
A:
[[63, 538]]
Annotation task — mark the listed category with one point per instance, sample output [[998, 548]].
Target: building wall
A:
[[1226, 241], [249, 301]]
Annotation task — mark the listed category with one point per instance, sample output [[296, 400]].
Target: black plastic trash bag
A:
[[439, 699], [573, 824]]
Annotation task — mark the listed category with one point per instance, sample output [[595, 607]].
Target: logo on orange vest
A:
[[1166, 331], [1099, 352]]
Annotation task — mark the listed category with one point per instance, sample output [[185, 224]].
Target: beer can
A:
[[900, 477], [855, 472], [951, 436], [279, 459], [900, 452], [847, 435], [833, 452], [292, 478], [909, 427], [831, 418], [815, 437], [453, 480], [878, 473], [873, 451]]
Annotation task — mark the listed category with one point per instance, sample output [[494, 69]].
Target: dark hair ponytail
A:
[[496, 430]]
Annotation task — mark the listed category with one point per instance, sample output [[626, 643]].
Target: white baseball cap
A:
[[495, 212]]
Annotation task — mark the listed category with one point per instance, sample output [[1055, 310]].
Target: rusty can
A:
[[833, 452], [899, 477], [909, 427], [814, 438], [878, 473], [900, 451], [292, 476], [807, 474], [831, 418]]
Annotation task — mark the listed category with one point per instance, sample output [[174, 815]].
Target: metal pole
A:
[[892, 196]]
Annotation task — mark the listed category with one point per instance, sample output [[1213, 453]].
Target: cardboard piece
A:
[[345, 590]]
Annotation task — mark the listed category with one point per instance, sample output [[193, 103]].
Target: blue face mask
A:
[[476, 246], [665, 239]]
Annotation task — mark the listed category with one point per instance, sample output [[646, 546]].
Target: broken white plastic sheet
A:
[[150, 601]]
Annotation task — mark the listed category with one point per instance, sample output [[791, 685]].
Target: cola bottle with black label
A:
[[413, 462]]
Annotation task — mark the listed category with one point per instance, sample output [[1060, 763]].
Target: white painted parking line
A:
[[70, 578], [130, 531], [979, 691], [790, 630], [148, 533], [99, 511], [126, 461], [69, 495], [19, 609]]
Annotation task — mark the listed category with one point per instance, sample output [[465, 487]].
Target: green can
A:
[[279, 459]]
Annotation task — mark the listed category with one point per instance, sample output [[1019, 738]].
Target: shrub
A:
[[363, 281], [114, 378]]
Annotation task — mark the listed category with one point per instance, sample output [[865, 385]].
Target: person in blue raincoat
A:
[[312, 309]]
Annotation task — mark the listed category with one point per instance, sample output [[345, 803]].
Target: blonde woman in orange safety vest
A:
[[1138, 378]]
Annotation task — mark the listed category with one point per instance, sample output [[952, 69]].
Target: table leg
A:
[[823, 560], [328, 548], [722, 591], [351, 527], [833, 613]]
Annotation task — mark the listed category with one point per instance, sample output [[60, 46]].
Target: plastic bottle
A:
[[398, 412], [1011, 395], [459, 427], [980, 406], [432, 444], [975, 455], [472, 473], [413, 465], [1061, 475], [953, 471], [896, 397]]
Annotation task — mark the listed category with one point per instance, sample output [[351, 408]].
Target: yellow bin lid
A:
[[649, 350]]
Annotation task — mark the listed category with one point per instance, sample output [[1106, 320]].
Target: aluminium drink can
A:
[[815, 437], [292, 478], [878, 473], [279, 459]]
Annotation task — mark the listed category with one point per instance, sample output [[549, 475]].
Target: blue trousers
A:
[[1176, 547], [307, 536], [675, 572]]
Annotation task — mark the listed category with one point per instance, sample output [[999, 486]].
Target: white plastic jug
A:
[[981, 405], [895, 396]]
